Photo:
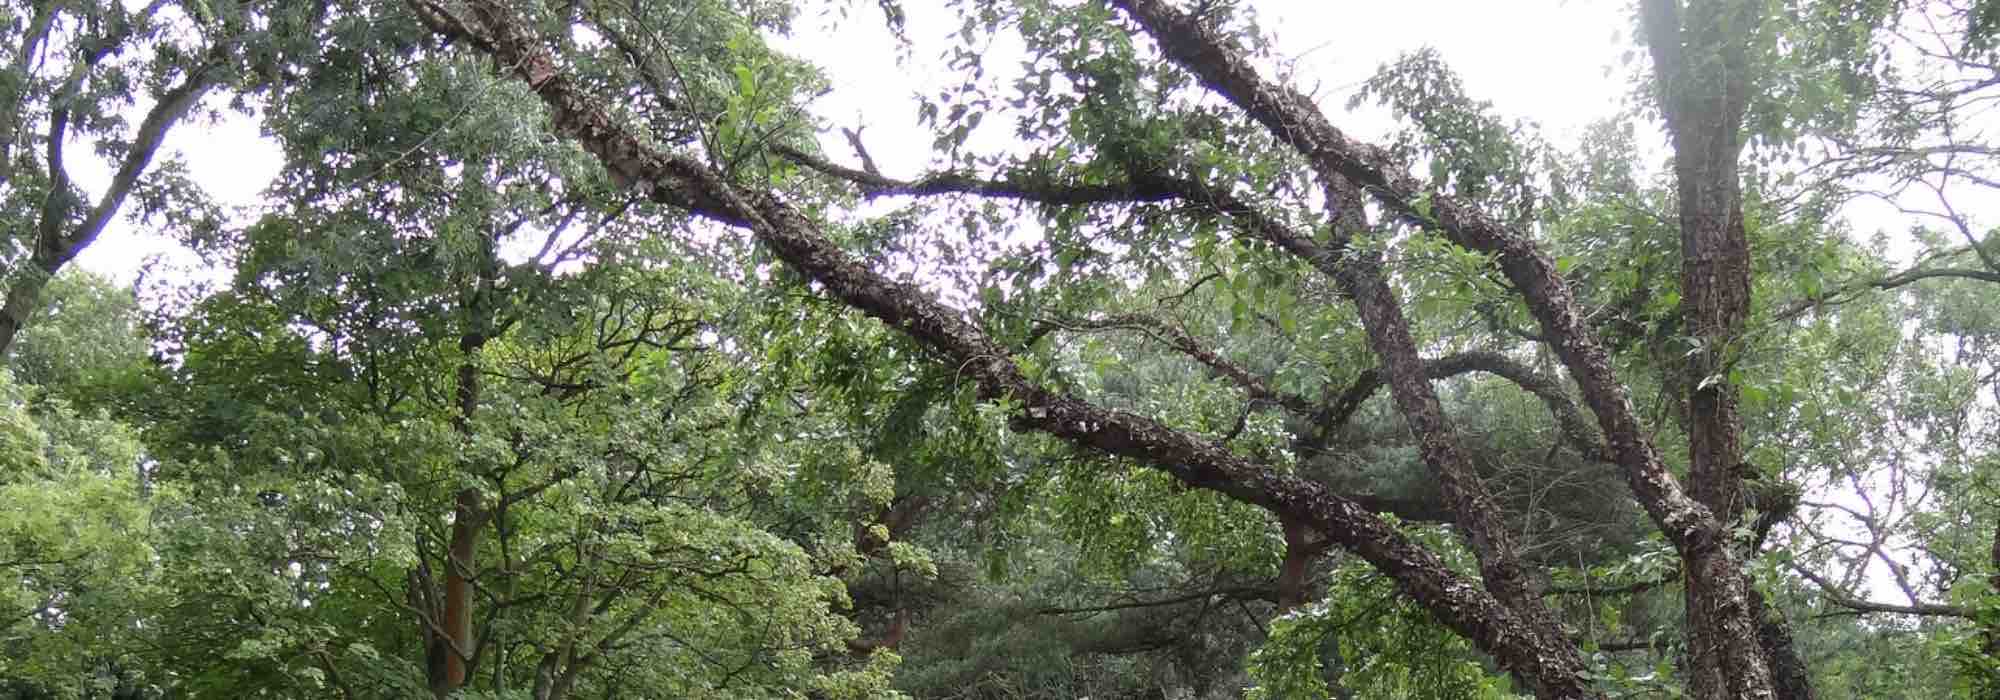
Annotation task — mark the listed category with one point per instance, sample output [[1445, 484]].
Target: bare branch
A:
[[1835, 595]]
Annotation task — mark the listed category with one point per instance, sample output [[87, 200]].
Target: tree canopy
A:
[[570, 354]]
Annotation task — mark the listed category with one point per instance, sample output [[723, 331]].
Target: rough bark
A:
[[1704, 112], [1546, 665], [1361, 277], [1700, 537], [1791, 679]]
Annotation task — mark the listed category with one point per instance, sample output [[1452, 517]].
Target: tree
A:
[[72, 69], [1916, 144], [601, 363], [76, 544], [1505, 617]]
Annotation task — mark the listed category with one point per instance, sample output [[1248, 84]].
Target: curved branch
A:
[[1263, 593], [1569, 419], [1910, 276], [1841, 598], [1454, 599], [1179, 339], [1919, 271], [55, 246]]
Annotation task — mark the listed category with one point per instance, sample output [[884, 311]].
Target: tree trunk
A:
[[1789, 675], [469, 513], [465, 528], [1293, 572], [24, 298], [1701, 63]]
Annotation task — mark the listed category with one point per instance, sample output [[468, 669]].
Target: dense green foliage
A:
[[455, 365]]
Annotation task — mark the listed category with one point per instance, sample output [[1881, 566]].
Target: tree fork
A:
[[1700, 535], [1732, 647], [1545, 665]]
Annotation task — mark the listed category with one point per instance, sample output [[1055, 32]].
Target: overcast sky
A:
[[1543, 60]]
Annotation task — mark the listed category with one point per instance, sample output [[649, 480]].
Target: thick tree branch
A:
[[1515, 643], [56, 243], [1294, 120], [1360, 274]]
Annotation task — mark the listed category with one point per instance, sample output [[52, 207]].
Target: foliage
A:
[[584, 397], [76, 541]]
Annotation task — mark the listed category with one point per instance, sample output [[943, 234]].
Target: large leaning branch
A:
[[1699, 534], [1702, 539], [1362, 279], [1154, 188], [1294, 120], [1547, 665]]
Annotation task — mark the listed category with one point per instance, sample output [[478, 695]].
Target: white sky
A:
[[1556, 77]]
